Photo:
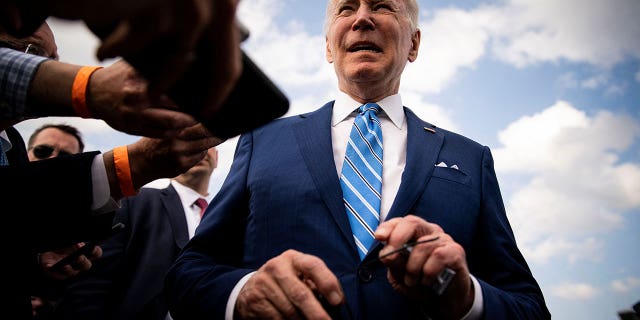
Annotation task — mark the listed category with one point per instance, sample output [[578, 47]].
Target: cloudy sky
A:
[[552, 87]]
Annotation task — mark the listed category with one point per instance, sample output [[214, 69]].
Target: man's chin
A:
[[366, 73]]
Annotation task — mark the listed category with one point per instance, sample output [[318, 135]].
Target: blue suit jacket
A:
[[283, 192], [127, 282]]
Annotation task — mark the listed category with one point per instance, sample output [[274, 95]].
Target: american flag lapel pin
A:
[[429, 129]]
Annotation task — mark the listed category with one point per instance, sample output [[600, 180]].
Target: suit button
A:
[[365, 274]]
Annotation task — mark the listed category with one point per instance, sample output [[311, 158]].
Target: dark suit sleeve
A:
[[508, 286], [54, 198], [197, 285], [90, 295]]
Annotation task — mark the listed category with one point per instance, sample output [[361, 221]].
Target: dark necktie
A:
[[202, 204], [361, 178]]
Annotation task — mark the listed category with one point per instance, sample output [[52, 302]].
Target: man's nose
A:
[[364, 18]]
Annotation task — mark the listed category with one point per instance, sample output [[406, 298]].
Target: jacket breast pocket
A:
[[454, 175]]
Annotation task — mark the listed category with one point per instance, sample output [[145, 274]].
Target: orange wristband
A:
[[123, 170], [79, 90]]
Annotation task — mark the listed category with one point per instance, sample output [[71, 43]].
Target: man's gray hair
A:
[[412, 12]]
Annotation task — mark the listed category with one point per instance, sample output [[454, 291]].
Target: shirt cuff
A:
[[102, 201], [478, 305], [233, 297]]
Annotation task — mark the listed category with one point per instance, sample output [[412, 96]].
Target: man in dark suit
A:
[[127, 281], [277, 241]]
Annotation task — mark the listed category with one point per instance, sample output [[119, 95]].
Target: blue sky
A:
[[552, 87]]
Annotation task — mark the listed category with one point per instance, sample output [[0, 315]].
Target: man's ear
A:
[[415, 45], [328, 51]]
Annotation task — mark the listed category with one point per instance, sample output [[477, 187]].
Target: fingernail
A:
[[386, 250], [335, 297]]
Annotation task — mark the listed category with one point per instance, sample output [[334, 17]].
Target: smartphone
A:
[[86, 249], [254, 101]]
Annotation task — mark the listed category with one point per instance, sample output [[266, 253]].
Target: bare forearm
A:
[[50, 90]]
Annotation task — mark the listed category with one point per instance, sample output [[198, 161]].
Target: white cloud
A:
[[599, 32], [525, 32], [595, 81], [288, 54], [625, 285], [452, 40], [568, 80], [429, 112], [545, 250], [575, 291], [76, 44], [577, 185]]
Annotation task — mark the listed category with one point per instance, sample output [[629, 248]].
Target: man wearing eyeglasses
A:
[[53, 140], [49, 141], [37, 44]]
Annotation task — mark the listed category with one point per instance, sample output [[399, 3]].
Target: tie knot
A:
[[201, 203], [368, 108]]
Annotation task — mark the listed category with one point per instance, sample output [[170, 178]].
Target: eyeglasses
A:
[[30, 48], [44, 151]]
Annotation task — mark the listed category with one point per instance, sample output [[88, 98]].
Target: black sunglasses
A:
[[44, 151]]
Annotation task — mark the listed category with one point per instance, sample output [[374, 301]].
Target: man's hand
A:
[[119, 95], [189, 49], [412, 274], [285, 288], [152, 159], [48, 259]]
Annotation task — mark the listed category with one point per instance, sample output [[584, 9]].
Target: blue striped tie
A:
[[361, 178]]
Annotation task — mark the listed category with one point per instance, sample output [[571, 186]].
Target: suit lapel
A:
[[423, 147], [18, 153], [313, 134], [176, 216]]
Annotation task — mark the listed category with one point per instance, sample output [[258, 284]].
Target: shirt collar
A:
[[344, 105], [188, 195]]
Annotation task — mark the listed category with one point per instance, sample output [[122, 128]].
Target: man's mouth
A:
[[364, 46]]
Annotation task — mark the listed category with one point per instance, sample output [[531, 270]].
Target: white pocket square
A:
[[444, 165]]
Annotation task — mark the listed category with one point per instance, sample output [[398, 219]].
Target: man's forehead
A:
[[369, 2]]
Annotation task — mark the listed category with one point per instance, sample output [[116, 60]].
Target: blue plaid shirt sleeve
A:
[[16, 72]]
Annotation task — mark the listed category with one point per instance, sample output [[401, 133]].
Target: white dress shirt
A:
[[394, 141], [191, 211]]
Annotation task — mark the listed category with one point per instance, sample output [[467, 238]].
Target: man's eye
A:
[[345, 10], [382, 7]]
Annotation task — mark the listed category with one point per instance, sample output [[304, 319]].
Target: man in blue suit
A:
[[277, 241]]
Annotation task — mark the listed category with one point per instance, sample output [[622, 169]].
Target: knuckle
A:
[[299, 295]]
